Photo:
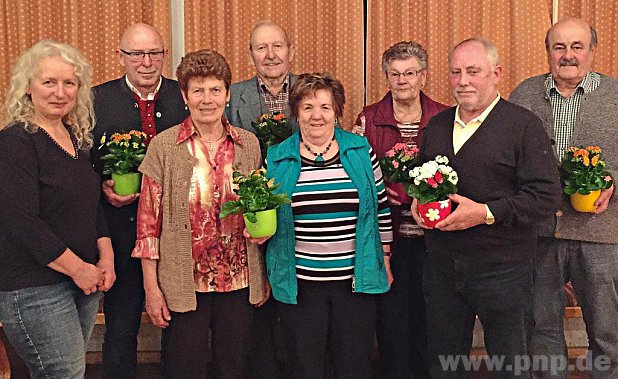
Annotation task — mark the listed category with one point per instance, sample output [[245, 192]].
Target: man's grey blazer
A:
[[247, 104]]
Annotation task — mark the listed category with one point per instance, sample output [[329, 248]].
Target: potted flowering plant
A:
[[271, 129], [398, 162], [125, 152], [431, 185], [584, 176], [257, 201]]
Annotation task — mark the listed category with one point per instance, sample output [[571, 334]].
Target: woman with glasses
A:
[[401, 116]]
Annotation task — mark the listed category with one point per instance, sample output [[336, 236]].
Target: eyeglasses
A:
[[408, 74], [138, 56]]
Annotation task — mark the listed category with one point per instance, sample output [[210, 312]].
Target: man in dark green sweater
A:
[[480, 257]]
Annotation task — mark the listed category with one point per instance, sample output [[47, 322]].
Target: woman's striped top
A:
[[325, 209]]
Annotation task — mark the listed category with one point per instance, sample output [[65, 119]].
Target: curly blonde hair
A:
[[18, 105]]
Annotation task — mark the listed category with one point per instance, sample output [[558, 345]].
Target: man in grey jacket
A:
[[578, 107], [267, 92]]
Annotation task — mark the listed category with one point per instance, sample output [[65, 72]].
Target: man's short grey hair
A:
[[404, 50], [593, 38], [490, 49], [261, 23]]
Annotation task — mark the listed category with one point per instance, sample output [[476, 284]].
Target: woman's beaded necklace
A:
[[415, 120], [73, 141], [319, 157]]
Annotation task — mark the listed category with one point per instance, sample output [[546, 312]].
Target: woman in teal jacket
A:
[[330, 255]]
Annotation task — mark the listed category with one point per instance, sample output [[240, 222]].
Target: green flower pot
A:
[[265, 226], [127, 184]]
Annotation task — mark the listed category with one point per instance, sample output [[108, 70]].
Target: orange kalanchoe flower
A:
[[593, 149], [137, 133], [584, 170], [271, 128], [125, 152]]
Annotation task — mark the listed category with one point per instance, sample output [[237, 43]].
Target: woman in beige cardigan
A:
[[200, 272]]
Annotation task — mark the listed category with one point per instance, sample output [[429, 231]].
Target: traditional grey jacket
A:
[[246, 104], [597, 124]]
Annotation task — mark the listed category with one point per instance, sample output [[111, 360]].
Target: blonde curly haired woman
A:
[[55, 252]]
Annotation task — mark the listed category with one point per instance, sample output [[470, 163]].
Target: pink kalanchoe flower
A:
[[438, 177], [390, 153], [399, 146], [395, 164], [432, 183], [607, 178], [411, 150]]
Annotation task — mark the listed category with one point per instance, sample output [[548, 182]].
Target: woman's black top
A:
[[49, 200]]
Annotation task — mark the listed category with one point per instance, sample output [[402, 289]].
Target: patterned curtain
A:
[[328, 36], [92, 26], [601, 14], [517, 27]]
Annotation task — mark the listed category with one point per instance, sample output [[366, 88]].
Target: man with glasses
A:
[[140, 100]]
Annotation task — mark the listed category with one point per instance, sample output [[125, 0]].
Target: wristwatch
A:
[[489, 217]]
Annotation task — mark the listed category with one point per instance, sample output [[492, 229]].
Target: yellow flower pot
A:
[[585, 203]]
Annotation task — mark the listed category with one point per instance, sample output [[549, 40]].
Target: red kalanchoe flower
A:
[[438, 177], [432, 183]]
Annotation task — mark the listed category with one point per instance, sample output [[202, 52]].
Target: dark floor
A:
[[144, 371], [151, 370]]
